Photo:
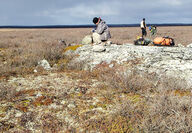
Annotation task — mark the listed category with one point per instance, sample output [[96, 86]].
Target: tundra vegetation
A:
[[68, 98]]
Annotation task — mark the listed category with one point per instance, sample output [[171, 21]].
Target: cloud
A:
[[82, 11], [85, 11], [45, 12], [172, 2]]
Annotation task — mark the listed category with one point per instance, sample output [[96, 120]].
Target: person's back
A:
[[103, 30], [142, 24]]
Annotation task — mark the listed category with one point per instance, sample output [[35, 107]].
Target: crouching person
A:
[[101, 33]]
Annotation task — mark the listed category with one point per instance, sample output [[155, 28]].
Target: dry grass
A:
[[181, 34], [6, 92], [20, 55], [160, 113]]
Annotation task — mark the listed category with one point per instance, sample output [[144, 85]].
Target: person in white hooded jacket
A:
[[101, 33], [143, 28]]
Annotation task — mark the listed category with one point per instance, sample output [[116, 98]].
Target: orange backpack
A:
[[164, 41]]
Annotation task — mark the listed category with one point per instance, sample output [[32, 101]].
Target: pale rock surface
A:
[[109, 42], [35, 71], [180, 45], [189, 46], [45, 64], [98, 48], [173, 62], [87, 40], [96, 38]]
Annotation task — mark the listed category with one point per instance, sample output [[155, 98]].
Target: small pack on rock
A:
[[164, 41], [142, 41]]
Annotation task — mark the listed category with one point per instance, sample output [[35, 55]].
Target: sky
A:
[[81, 12]]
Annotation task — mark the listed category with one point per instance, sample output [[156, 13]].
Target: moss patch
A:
[[72, 47]]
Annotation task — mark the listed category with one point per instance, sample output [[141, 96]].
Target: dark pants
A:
[[144, 33], [103, 40]]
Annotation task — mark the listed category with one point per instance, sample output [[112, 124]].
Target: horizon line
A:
[[91, 25]]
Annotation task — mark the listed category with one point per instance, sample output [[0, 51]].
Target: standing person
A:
[[153, 30], [101, 33], [143, 28]]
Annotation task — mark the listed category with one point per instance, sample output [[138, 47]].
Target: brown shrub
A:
[[163, 112], [112, 124], [164, 105], [50, 123], [124, 81], [6, 92], [26, 119], [5, 126], [169, 113], [23, 59], [75, 65], [172, 83]]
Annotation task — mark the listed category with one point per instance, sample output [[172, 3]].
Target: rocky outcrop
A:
[[173, 62]]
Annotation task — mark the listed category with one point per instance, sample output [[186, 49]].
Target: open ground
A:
[[69, 99]]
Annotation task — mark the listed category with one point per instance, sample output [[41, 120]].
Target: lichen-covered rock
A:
[[164, 61], [45, 64], [109, 42], [98, 48], [96, 38], [189, 46], [87, 40], [180, 45]]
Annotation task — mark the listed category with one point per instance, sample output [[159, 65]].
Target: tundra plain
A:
[[68, 98]]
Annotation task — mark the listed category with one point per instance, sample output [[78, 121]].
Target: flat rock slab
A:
[[174, 62], [98, 48]]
